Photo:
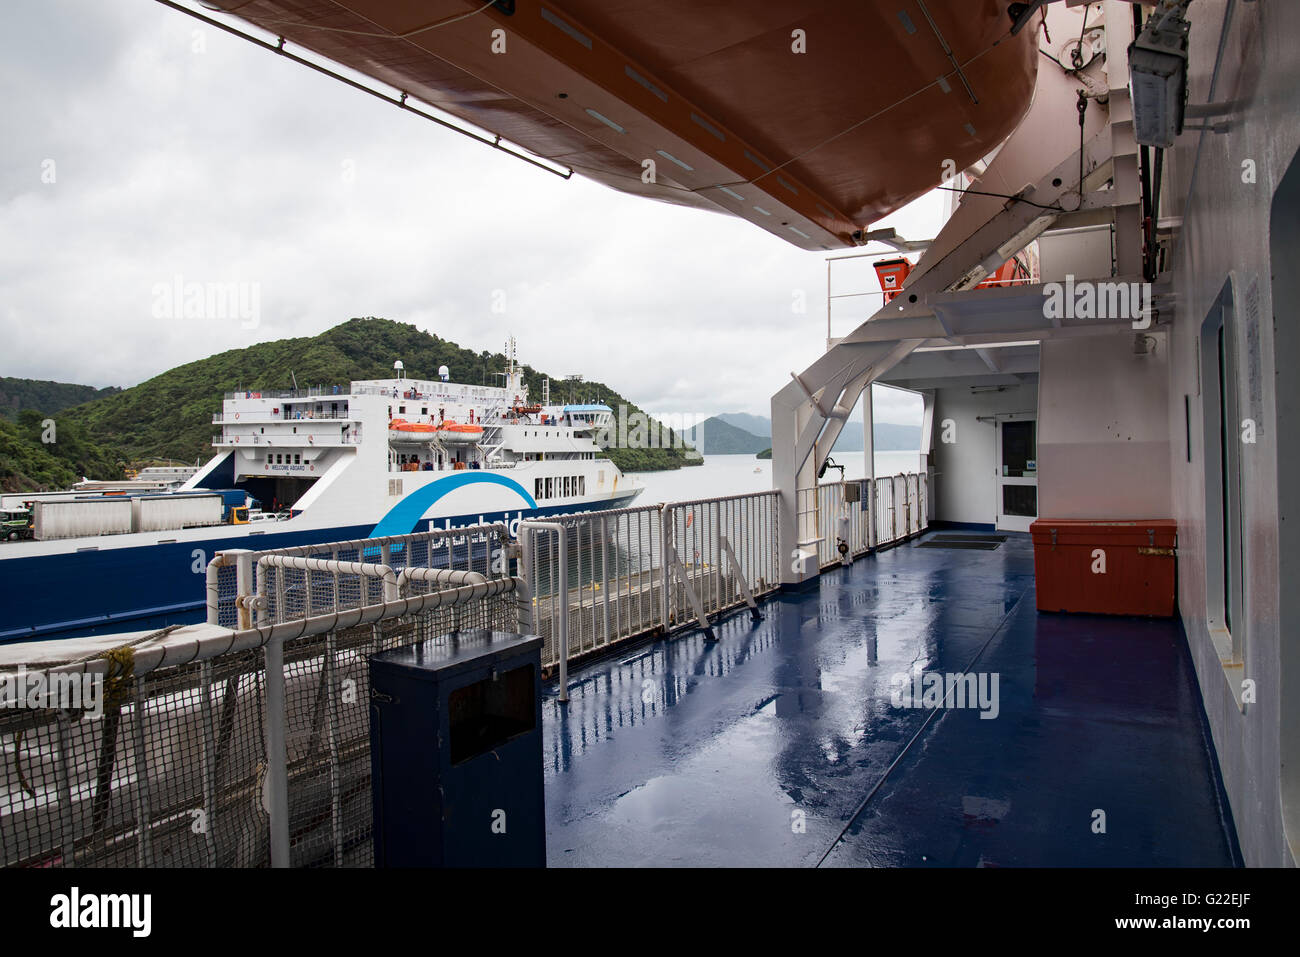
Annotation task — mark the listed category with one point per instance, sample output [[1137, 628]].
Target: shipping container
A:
[[72, 519], [156, 513]]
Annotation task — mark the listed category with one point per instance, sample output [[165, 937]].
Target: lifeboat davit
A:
[[453, 433]]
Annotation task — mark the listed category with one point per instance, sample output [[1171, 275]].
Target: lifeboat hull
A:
[[820, 133]]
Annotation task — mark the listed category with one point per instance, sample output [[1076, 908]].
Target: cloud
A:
[[182, 152]]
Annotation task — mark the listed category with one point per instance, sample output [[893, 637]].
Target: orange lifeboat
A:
[[401, 429], [453, 433]]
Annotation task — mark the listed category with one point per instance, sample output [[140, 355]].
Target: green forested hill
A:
[[170, 415], [35, 456], [44, 396]]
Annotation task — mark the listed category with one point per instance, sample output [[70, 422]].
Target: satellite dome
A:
[[444, 373]]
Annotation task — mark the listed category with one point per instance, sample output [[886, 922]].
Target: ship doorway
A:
[[276, 493], [1017, 480]]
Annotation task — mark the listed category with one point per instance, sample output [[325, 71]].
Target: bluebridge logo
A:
[[403, 517]]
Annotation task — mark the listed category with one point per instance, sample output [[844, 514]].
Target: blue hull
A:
[[151, 586]]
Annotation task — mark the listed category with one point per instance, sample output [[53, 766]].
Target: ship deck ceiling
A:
[[794, 713], [822, 141]]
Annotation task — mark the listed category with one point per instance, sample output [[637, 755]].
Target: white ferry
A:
[[381, 457]]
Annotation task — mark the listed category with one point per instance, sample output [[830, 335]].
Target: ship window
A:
[[297, 458], [268, 460], [1221, 419], [548, 488], [402, 409], [537, 488], [582, 485]]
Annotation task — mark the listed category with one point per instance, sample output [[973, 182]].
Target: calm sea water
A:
[[734, 474]]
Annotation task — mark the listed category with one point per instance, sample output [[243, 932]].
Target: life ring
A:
[[311, 440], [236, 415], [236, 438]]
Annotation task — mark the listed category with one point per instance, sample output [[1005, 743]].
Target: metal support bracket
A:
[[740, 578]]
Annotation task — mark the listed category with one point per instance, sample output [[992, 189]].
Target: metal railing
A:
[[610, 579], [321, 391], [245, 741], [846, 519], [264, 418], [242, 742], [303, 440]]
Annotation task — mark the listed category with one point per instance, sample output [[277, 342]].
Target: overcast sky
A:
[[138, 146]]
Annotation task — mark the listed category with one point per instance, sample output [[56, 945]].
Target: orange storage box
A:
[[1106, 568]]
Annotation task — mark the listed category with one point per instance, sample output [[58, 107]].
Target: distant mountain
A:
[[753, 424], [889, 436], [44, 395], [715, 436]]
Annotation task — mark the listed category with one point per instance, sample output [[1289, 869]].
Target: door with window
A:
[[1017, 480]]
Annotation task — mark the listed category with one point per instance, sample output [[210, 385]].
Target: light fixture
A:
[[1157, 62]]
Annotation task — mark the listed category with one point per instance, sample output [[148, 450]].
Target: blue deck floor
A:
[[781, 744]]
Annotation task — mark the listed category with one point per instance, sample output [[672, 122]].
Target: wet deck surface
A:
[[783, 745]]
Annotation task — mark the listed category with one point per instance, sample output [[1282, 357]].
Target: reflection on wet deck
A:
[[783, 744]]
